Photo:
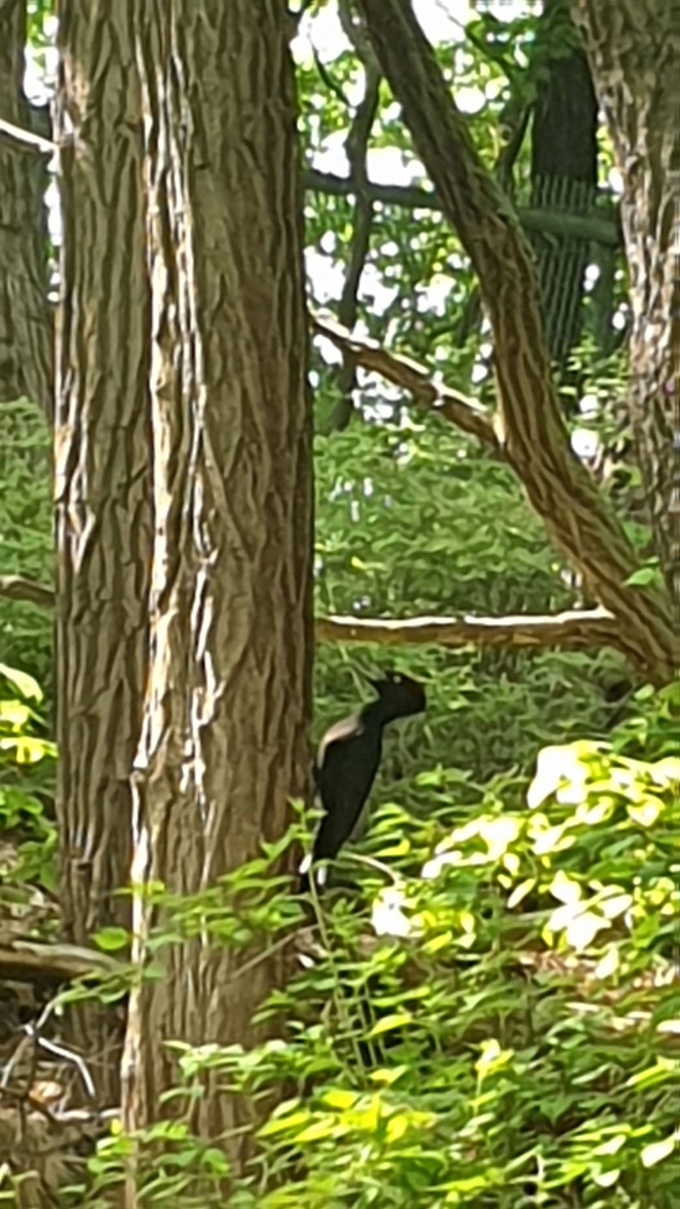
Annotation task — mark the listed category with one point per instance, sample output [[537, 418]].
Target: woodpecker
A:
[[346, 764]]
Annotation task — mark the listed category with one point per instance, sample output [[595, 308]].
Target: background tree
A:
[[533, 434], [25, 321], [633, 54]]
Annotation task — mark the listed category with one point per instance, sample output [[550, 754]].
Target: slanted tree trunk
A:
[[634, 51], [229, 690], [25, 324], [102, 470]]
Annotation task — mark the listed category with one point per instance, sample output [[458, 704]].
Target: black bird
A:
[[347, 761]]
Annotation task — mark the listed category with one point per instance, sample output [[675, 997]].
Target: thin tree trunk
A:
[[102, 467], [530, 424], [634, 51], [25, 322], [228, 699]]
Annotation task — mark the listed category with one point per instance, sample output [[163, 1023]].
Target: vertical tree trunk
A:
[[563, 172], [634, 51], [228, 696], [103, 513], [25, 323]]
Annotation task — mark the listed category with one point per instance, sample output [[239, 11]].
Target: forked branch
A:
[[533, 433]]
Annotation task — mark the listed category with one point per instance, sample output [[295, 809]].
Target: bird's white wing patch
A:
[[344, 729]]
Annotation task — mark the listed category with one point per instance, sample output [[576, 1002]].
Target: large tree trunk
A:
[[229, 692], [25, 324], [102, 468], [634, 51]]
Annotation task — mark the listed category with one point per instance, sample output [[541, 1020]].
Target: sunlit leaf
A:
[[656, 1152]]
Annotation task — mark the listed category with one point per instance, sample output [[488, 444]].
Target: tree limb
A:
[[575, 631], [52, 964], [467, 413], [592, 227], [28, 591], [356, 149], [25, 140], [534, 434]]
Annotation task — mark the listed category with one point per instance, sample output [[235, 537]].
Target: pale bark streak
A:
[[534, 436]]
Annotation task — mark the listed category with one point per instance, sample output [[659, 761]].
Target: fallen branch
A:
[[468, 414], [53, 964], [574, 631]]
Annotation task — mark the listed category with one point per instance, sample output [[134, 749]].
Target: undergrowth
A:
[[490, 1017]]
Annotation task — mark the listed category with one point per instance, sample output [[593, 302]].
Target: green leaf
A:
[[338, 1097], [656, 1152], [111, 939], [643, 577], [389, 1023], [25, 684]]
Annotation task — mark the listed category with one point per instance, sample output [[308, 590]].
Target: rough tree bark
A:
[[25, 323], [534, 436], [634, 52], [228, 699], [102, 487]]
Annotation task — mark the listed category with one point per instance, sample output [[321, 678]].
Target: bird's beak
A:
[[376, 684]]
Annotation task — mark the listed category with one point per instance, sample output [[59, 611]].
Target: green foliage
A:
[[26, 546], [410, 522], [489, 1019], [27, 836], [479, 1059]]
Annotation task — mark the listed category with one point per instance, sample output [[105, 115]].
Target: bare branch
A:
[[28, 591], [24, 140], [467, 413], [53, 964], [356, 148], [547, 222], [574, 631]]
